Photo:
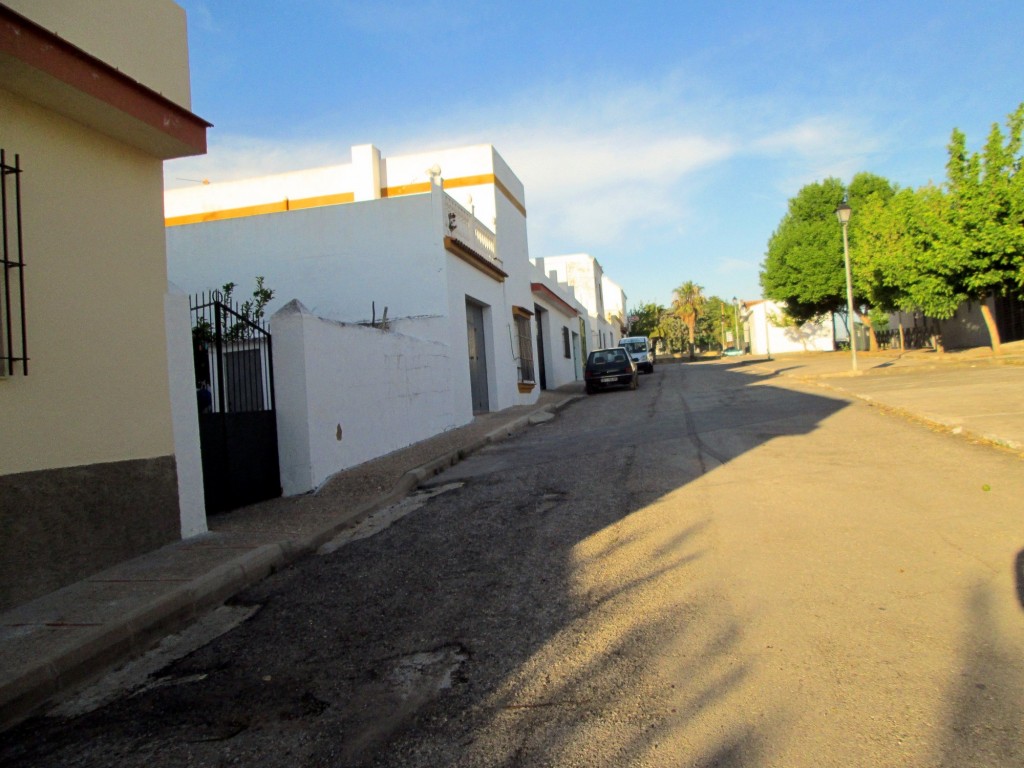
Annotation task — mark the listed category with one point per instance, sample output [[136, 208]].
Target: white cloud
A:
[[241, 157]]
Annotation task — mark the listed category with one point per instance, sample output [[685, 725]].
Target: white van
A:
[[641, 350]]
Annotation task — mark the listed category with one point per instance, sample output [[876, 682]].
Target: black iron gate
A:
[[234, 366]]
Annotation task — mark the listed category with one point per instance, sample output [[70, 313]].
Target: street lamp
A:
[[736, 322], [843, 214], [721, 324]]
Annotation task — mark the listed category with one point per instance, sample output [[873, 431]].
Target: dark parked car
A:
[[609, 368]]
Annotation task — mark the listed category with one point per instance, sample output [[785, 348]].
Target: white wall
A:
[[340, 259], [184, 413], [767, 337], [559, 369], [585, 275], [348, 394]]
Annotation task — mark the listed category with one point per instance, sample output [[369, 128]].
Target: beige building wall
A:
[[95, 279], [88, 470], [145, 40]]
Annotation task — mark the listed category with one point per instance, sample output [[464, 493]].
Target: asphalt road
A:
[[716, 570]]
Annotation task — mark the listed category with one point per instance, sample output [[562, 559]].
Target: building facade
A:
[[585, 275], [93, 99]]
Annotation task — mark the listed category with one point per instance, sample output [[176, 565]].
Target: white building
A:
[[766, 330], [562, 324], [614, 305], [437, 241], [607, 312]]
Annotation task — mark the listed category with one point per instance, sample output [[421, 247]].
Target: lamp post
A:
[[736, 322], [843, 214], [721, 324]]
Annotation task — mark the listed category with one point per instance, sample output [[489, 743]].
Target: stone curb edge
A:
[[956, 430], [27, 692]]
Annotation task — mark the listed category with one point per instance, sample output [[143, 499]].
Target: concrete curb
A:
[[133, 635], [27, 692], [956, 430]]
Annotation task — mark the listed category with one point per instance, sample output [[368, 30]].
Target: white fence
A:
[[347, 394]]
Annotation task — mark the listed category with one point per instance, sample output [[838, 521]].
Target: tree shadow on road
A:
[[495, 626]]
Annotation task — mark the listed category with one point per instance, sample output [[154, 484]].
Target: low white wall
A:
[[347, 394], [184, 413], [765, 336]]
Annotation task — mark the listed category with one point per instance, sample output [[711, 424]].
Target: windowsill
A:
[[525, 387]]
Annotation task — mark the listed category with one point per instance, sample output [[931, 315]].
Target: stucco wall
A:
[[338, 260], [559, 369], [766, 336], [88, 477], [95, 282], [185, 412], [348, 394]]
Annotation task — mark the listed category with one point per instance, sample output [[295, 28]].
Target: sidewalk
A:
[[967, 393], [58, 642]]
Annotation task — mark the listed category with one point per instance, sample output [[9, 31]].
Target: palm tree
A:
[[688, 305]]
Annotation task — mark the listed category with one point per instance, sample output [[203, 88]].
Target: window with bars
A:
[[525, 339], [12, 259], [566, 343]]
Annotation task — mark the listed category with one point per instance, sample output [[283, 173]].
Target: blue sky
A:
[[662, 138]]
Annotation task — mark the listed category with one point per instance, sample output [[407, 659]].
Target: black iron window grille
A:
[[13, 349], [566, 345]]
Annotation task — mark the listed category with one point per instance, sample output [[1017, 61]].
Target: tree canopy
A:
[[644, 318], [688, 305], [804, 266], [928, 249]]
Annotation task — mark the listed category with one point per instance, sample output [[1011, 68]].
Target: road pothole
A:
[[424, 674]]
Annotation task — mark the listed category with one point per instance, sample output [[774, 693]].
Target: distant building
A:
[[766, 329], [438, 239], [586, 276]]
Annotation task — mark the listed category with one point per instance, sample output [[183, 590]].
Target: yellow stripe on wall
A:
[[339, 199], [259, 210], [405, 189], [321, 200], [229, 213]]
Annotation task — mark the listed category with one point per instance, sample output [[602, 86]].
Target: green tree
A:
[[671, 330], [903, 253], [714, 322], [804, 266], [932, 249], [688, 305], [647, 316], [986, 213]]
